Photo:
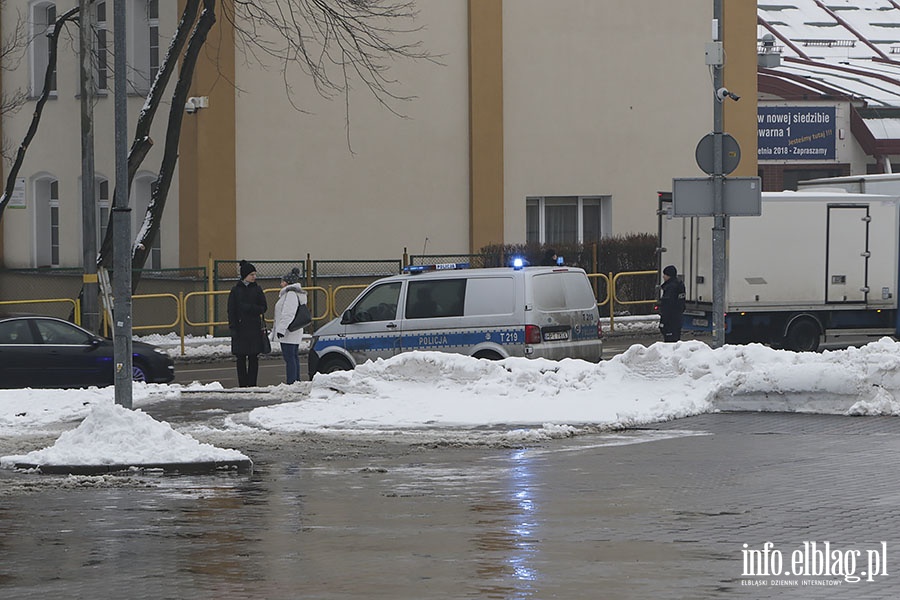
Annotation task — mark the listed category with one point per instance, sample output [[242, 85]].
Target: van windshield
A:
[[379, 304], [563, 291]]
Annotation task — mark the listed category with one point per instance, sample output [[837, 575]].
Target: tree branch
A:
[[150, 227], [142, 142], [53, 37]]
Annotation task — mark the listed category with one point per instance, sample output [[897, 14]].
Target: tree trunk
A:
[[142, 142], [150, 228]]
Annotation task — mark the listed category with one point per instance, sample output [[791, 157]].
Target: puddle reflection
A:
[[506, 535]]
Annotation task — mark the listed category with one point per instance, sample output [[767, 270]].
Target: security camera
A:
[[723, 93], [194, 103]]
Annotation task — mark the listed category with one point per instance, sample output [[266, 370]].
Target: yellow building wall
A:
[[740, 77], [206, 187], [486, 123]]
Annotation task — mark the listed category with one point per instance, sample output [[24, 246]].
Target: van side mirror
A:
[[347, 317]]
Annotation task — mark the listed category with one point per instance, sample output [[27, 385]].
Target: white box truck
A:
[[818, 269], [886, 183]]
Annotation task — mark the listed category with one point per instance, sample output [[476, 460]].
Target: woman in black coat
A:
[[246, 307]]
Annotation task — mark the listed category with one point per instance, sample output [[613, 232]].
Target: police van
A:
[[493, 313]]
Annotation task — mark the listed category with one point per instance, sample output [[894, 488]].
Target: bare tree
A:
[[53, 39], [334, 42], [11, 51]]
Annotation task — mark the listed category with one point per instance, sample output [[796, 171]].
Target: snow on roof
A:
[[838, 30], [848, 48]]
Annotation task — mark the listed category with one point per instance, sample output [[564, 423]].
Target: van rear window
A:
[[563, 291]]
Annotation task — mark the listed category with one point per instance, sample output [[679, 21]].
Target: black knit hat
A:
[[671, 271], [246, 269], [292, 277]]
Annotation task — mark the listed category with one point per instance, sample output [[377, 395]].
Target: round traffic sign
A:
[[705, 153]]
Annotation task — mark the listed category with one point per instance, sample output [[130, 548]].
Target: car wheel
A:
[[488, 355], [332, 364], [138, 372]]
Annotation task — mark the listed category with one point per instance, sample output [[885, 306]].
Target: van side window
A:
[[490, 296], [432, 298], [379, 304]]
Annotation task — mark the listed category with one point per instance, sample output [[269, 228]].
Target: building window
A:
[[792, 176], [46, 214], [566, 219], [101, 191], [54, 223], [43, 19], [143, 51], [102, 48], [153, 15]]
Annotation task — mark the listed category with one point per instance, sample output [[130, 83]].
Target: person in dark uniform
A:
[[671, 305], [246, 307]]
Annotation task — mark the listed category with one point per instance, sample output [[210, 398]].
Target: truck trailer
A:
[[817, 269]]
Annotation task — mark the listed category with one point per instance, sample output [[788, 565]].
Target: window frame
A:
[[42, 14], [45, 199], [538, 206]]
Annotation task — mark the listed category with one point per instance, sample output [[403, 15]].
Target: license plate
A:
[[551, 336], [700, 323]]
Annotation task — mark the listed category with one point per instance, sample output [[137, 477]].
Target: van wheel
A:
[[487, 355], [332, 364], [802, 336]]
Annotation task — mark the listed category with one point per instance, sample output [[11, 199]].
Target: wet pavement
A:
[[661, 512]]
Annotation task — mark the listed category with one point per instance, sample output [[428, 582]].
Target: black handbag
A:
[[301, 319], [264, 332]]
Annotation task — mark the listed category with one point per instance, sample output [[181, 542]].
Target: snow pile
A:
[[640, 386], [112, 435]]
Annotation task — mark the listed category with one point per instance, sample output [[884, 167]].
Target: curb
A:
[[193, 468]]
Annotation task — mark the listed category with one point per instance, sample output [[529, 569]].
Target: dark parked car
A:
[[45, 352]]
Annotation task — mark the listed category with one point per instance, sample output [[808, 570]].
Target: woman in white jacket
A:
[[289, 298]]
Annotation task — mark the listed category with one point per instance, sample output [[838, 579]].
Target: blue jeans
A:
[[291, 353]]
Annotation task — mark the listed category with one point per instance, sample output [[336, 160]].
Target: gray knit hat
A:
[[292, 277]]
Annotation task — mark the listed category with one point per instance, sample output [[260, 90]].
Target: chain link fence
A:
[[346, 278]]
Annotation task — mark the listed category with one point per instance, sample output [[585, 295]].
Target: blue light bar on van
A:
[[518, 263], [436, 267]]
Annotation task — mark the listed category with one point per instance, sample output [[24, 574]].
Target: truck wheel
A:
[[332, 364], [802, 336]]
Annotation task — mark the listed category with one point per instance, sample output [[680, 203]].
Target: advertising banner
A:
[[795, 133]]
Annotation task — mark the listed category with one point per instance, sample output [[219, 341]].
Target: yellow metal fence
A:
[[173, 311]]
